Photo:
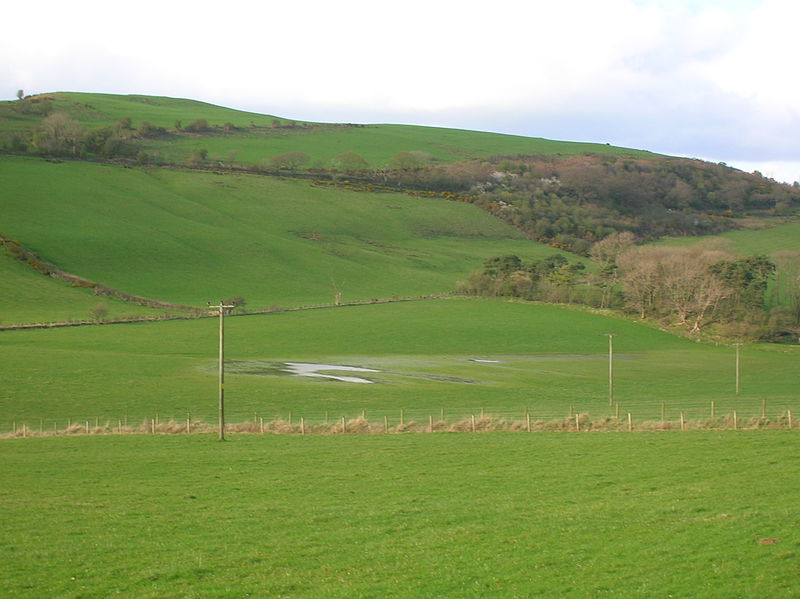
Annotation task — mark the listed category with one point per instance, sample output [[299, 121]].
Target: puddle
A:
[[313, 370]]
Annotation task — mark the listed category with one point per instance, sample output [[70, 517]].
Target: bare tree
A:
[[59, 134], [675, 282], [605, 252]]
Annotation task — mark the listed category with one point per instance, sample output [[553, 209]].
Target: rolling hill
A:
[[250, 138], [190, 237]]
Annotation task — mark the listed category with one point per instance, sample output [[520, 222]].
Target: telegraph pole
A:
[[738, 345], [221, 311], [610, 368]]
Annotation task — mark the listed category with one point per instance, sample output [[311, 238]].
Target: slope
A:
[[251, 138], [189, 237]]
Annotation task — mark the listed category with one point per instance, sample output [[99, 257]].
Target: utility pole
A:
[[610, 368], [738, 345], [221, 311]]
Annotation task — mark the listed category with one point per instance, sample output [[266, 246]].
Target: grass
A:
[[549, 359], [190, 237], [375, 143], [784, 236], [450, 515], [26, 296]]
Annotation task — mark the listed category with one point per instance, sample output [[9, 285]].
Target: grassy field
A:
[[254, 138], [27, 296], [190, 237], [547, 359], [784, 236], [700, 514]]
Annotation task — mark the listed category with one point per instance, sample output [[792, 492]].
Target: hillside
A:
[[174, 128], [561, 193], [190, 237]]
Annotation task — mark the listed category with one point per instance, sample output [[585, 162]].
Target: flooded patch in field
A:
[[308, 369], [314, 370]]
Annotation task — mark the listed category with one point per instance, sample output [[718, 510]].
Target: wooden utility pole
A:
[[220, 309], [610, 368]]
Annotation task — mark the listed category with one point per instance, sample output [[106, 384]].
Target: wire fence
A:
[[733, 414]]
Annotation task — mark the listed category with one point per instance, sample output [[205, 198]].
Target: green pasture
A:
[[255, 139], [189, 237], [697, 514], [768, 240], [544, 358], [27, 296]]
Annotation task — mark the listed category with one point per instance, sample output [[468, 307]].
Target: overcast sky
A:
[[713, 79]]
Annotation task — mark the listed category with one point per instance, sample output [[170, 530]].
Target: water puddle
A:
[[313, 370]]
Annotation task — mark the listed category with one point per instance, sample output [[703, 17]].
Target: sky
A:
[[710, 79]]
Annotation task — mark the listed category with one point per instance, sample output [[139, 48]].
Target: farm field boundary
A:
[[578, 422]]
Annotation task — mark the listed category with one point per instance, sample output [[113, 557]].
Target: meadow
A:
[[547, 359], [696, 514], [27, 296], [254, 139], [780, 237], [188, 237]]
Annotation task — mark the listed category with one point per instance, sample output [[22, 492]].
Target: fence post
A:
[[577, 423], [713, 408], [430, 423], [528, 420], [402, 421], [683, 422], [789, 414], [344, 425], [385, 424], [763, 408], [630, 423], [261, 424], [302, 426], [663, 411], [473, 423], [734, 420]]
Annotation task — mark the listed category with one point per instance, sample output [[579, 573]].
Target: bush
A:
[[197, 126], [289, 160]]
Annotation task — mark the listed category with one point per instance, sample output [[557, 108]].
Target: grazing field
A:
[[698, 514], [748, 242], [189, 238], [27, 296], [251, 138], [544, 358]]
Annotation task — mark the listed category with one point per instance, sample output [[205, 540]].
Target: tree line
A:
[[696, 288]]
